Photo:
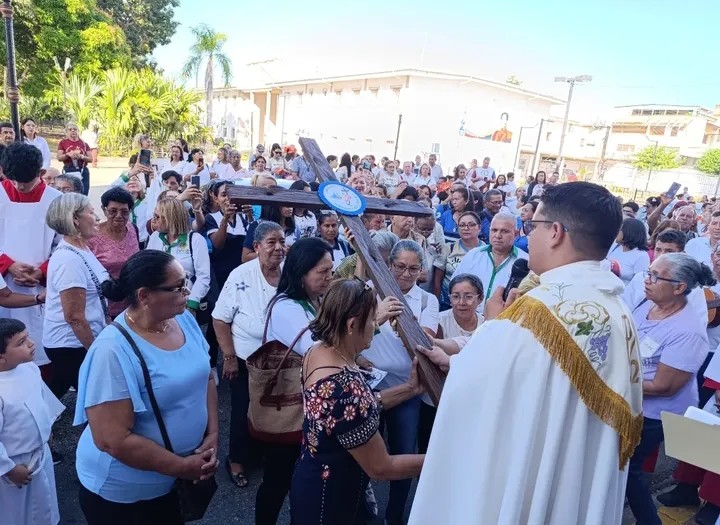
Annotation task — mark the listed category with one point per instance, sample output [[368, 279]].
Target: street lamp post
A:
[[11, 89], [572, 81]]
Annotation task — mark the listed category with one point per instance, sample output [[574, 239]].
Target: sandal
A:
[[239, 479]]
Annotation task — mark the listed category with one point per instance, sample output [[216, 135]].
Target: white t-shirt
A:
[[204, 174], [66, 270], [451, 328], [223, 170], [242, 304], [196, 263], [631, 262], [287, 318], [699, 249], [387, 351], [305, 225], [179, 167]]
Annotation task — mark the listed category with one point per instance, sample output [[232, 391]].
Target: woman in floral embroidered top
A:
[[342, 448]]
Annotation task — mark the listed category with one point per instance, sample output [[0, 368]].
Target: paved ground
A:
[[231, 505]]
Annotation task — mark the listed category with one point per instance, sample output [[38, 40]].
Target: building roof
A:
[[412, 72]]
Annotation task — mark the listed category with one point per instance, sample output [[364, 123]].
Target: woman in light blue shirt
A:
[[125, 471]]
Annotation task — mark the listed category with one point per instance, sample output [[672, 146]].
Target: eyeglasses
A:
[[411, 270], [456, 298], [467, 225], [115, 211], [184, 288], [530, 225], [649, 276]]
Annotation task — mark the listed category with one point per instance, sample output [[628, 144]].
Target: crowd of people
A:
[[178, 288]]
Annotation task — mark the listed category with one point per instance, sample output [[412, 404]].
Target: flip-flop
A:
[[239, 479]]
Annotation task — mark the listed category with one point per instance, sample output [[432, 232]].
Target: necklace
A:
[[351, 367], [133, 321], [668, 315]]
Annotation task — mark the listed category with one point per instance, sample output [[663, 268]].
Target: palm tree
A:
[[208, 48]]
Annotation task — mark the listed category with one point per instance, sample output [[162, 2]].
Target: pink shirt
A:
[[113, 255]]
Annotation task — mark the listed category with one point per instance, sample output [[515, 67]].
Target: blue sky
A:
[[638, 51]]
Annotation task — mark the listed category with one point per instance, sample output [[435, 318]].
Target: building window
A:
[[548, 135], [637, 112], [374, 92], [625, 148], [356, 92], [674, 131], [656, 130]]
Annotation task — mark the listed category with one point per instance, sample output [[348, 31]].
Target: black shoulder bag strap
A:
[[148, 385]]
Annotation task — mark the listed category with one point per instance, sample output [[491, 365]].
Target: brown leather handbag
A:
[[275, 414]]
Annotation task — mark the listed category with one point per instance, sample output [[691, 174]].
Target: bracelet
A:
[[37, 299], [229, 357], [378, 398]]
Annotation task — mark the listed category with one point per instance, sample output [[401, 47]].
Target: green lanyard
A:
[[513, 253], [307, 307], [167, 246], [134, 216]]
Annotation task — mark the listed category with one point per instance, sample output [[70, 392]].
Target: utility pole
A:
[[571, 81], [535, 163], [11, 88], [517, 150], [397, 136]]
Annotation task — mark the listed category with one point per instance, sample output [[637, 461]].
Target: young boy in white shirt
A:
[[27, 411]]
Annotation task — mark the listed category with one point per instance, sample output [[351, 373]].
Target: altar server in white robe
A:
[[27, 412], [25, 240], [541, 410]]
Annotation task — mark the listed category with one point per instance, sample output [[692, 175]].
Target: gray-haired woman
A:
[[673, 346], [75, 311], [388, 353], [239, 319]]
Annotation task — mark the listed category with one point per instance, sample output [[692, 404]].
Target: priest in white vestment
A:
[[25, 240], [541, 410]]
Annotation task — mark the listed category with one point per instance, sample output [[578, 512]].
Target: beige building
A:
[[457, 117]]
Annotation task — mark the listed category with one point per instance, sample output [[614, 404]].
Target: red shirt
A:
[[67, 146]]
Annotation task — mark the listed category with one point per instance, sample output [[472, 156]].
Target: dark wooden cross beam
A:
[[410, 332]]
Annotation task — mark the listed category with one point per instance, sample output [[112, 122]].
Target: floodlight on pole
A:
[[572, 81], [63, 76]]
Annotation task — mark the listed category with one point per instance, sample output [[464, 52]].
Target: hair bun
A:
[[113, 290]]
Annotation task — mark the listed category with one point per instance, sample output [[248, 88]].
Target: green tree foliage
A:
[[77, 29], [146, 23], [650, 159], [208, 49], [125, 102], [710, 162]]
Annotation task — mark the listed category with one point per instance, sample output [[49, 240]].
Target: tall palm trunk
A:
[[209, 92]]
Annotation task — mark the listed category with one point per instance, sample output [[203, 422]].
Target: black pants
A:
[[279, 465], [159, 511], [66, 367], [427, 419], [638, 491], [240, 439]]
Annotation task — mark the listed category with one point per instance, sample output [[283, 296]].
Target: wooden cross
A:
[[410, 332]]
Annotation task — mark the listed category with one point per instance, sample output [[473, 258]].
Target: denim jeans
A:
[[637, 491], [401, 423]]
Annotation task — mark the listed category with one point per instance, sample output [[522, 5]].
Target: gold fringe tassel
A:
[[609, 406]]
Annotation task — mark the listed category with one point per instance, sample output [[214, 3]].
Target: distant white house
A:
[[458, 117]]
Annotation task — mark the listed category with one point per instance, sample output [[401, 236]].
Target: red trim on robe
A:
[[5, 263], [709, 383], [32, 196]]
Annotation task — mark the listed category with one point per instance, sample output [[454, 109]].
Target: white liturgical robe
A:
[[540, 411], [27, 411]]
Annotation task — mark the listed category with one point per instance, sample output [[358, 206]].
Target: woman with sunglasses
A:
[[673, 346], [277, 164], [126, 474], [117, 238]]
